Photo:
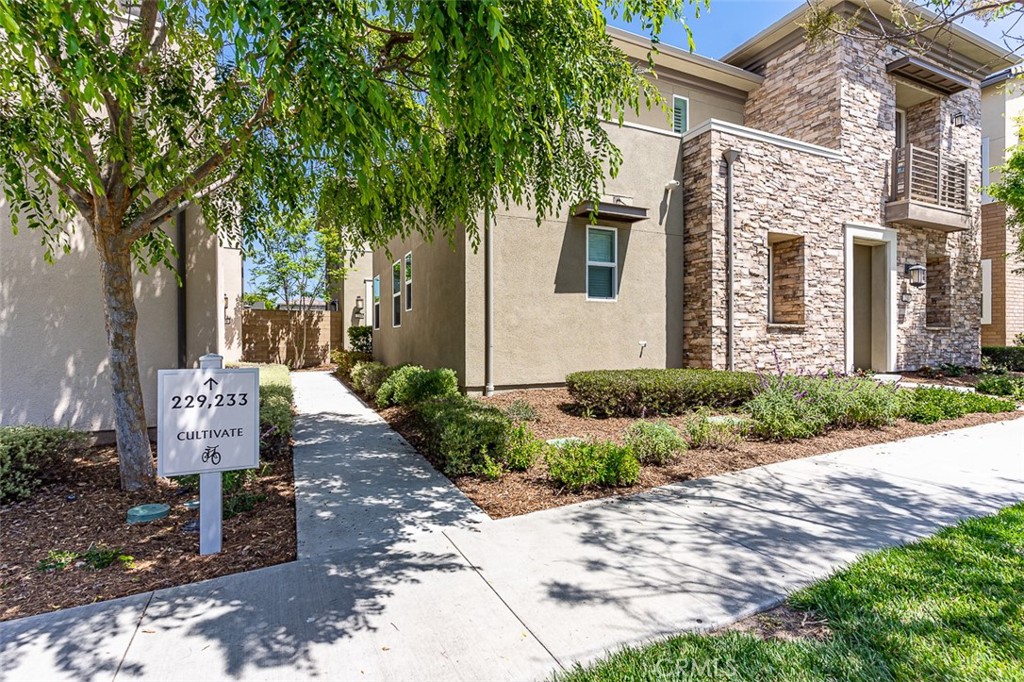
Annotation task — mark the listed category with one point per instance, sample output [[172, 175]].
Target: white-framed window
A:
[[602, 263], [396, 294], [376, 302], [986, 291], [408, 281], [680, 114]]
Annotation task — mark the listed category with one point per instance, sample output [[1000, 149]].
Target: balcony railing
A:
[[927, 177]]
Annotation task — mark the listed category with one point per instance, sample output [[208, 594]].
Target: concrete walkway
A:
[[401, 580]]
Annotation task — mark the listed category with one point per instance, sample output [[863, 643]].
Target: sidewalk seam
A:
[[132, 640], [502, 599]]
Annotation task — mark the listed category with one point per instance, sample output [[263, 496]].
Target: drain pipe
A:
[[488, 301], [182, 294], [730, 157]]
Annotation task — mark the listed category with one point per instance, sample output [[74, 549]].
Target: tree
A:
[[289, 264], [417, 115], [1009, 188]]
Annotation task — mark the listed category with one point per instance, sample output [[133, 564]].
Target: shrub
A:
[[521, 411], [792, 407], [1010, 357], [646, 392], [654, 443], [275, 400], [465, 436], [1001, 385], [522, 448], [360, 338], [367, 377], [932, 404], [28, 454], [700, 432], [579, 465], [346, 360], [411, 384]]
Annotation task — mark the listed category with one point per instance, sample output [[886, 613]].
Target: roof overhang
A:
[[965, 50], [931, 76], [666, 56], [608, 210]]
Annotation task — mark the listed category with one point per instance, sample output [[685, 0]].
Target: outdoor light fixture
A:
[[959, 119], [916, 272], [334, 305], [227, 316], [359, 307]]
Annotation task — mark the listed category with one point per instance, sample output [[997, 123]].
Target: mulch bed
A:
[[523, 492], [88, 507]]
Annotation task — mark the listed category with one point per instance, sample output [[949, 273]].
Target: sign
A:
[[208, 420]]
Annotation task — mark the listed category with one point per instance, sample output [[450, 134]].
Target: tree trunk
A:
[[134, 453]]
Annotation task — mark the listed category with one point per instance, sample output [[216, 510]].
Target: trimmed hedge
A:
[[1010, 357], [369, 376], [649, 392], [582, 465], [465, 436], [411, 384], [346, 360]]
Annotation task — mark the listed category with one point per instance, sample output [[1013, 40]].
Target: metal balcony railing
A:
[[922, 175]]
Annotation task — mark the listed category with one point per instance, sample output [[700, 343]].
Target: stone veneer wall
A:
[[838, 96], [789, 279]]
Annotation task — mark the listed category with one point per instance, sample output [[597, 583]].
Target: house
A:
[[811, 205], [1002, 105], [53, 346]]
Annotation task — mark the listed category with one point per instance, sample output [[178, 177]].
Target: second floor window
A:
[[396, 294], [602, 263], [376, 302], [408, 281], [680, 114]]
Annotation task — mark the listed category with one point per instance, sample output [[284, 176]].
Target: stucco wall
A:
[[706, 102]]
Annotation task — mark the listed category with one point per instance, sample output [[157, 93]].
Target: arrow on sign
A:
[[210, 383]]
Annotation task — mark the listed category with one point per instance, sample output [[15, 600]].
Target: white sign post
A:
[[208, 423]]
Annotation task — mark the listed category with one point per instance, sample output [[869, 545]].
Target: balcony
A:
[[927, 190]]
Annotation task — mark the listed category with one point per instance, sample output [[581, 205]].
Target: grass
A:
[[946, 608]]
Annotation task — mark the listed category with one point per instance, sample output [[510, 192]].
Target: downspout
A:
[[488, 301], [730, 157], [182, 300]]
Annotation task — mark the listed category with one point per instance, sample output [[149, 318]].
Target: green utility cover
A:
[[148, 512]]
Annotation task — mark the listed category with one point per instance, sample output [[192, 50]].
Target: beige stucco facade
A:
[[53, 350]]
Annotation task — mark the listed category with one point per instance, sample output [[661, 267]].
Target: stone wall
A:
[[296, 339], [789, 279]]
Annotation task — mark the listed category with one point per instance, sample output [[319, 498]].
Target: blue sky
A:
[[730, 22]]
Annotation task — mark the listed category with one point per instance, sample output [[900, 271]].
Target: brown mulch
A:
[[88, 507], [939, 379], [523, 492], [783, 623]]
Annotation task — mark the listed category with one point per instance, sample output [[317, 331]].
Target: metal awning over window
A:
[[929, 75], [607, 210]]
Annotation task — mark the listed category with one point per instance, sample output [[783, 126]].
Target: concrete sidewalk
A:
[[517, 598]]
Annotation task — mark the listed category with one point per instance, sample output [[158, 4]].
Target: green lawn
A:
[[950, 607]]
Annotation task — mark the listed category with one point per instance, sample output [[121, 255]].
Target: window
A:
[[680, 114], [986, 291], [396, 294], [376, 302], [785, 279], [602, 263], [408, 281]]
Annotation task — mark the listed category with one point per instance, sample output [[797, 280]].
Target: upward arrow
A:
[[210, 383]]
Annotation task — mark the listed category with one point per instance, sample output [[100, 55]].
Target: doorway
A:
[[862, 306], [870, 298]]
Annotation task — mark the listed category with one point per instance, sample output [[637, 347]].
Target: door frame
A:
[[872, 235]]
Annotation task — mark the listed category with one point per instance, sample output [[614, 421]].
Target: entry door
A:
[[862, 306]]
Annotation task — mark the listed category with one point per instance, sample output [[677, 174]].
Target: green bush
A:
[[522, 448], [360, 338], [411, 384], [578, 465], [700, 432], [932, 404], [521, 411], [367, 377], [650, 392], [1010, 357], [792, 407], [346, 360], [464, 436], [275, 400], [29, 453], [1012, 387], [654, 443]]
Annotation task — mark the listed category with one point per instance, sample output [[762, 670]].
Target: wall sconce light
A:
[[227, 316], [334, 305], [916, 271], [359, 308], [958, 119]]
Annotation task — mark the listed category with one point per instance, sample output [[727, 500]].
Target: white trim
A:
[[760, 136], [641, 126], [614, 265], [407, 281], [901, 130], [687, 100], [396, 293], [986, 172], [986, 291], [877, 235]]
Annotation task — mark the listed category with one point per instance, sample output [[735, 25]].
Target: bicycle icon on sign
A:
[[211, 454]]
